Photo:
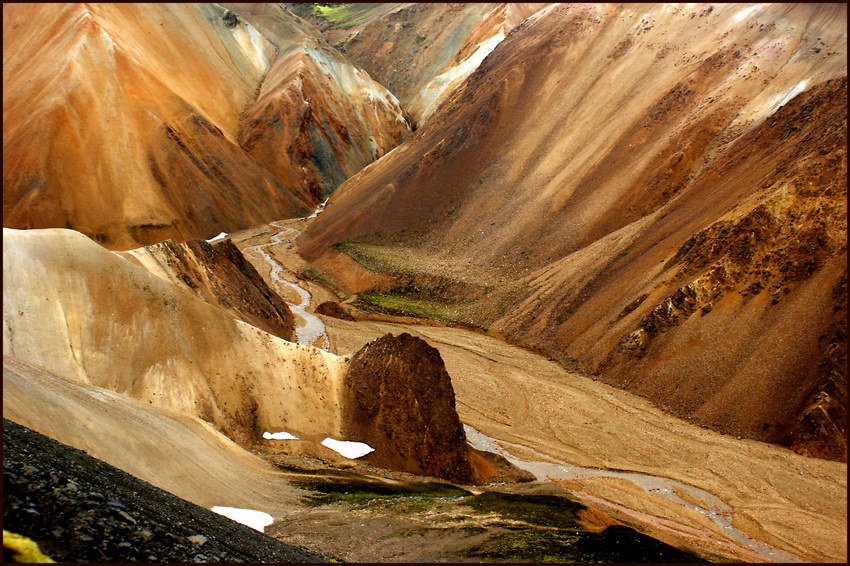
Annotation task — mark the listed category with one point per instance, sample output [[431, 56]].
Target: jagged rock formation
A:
[[683, 237], [399, 399], [220, 275], [331, 308]]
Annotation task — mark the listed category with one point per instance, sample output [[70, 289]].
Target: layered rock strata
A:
[[220, 274]]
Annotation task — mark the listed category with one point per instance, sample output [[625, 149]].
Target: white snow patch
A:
[[797, 89], [434, 92], [279, 436], [257, 520], [743, 14], [347, 448], [219, 237]]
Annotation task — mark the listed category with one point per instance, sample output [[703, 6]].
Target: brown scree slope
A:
[[657, 194]]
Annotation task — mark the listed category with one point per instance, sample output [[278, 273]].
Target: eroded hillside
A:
[[655, 195], [134, 123], [421, 52]]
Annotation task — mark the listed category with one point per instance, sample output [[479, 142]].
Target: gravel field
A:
[[79, 509]]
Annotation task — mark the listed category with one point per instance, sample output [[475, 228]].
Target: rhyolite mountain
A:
[[651, 194], [134, 123], [421, 52]]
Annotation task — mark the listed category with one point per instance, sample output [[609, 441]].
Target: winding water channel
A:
[[309, 329], [713, 507]]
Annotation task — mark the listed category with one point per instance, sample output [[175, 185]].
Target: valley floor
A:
[[733, 498]]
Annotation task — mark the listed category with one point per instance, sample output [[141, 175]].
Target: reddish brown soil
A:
[[683, 238]]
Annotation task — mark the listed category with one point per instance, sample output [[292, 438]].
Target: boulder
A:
[[398, 399], [335, 310], [230, 19]]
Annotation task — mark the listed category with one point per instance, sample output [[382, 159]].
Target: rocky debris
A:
[[221, 275], [398, 399], [821, 429], [79, 509], [333, 309], [230, 19]]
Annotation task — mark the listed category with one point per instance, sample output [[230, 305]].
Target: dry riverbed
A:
[[726, 497]]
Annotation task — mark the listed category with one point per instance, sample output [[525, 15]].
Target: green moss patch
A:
[[371, 256], [400, 305], [344, 15], [361, 490]]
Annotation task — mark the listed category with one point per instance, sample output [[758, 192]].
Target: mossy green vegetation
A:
[[416, 292], [614, 544], [344, 15], [546, 528], [401, 305], [360, 490], [496, 526], [539, 510], [310, 273], [373, 257]]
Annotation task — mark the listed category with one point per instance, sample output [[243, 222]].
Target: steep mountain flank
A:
[[654, 194], [220, 275], [120, 121], [90, 316], [420, 52], [134, 123], [318, 120], [178, 453], [105, 326]]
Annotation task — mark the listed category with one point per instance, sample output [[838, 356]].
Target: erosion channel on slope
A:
[[714, 494]]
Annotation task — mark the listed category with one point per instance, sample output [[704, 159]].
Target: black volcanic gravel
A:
[[79, 509]]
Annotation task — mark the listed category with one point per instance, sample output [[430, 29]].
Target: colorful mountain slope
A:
[[654, 194]]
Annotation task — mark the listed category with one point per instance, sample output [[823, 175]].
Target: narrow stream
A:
[[309, 329], [714, 508]]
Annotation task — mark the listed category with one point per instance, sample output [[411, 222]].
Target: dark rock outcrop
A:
[[230, 19], [398, 398], [335, 310], [221, 275]]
